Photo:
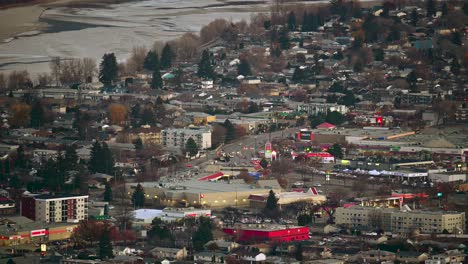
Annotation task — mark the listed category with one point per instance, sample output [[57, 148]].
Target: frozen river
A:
[[88, 32], [91, 32]]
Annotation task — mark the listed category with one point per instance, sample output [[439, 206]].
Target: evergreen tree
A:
[[394, 34], [299, 252], [94, 161], [264, 163], [138, 196], [37, 115], [336, 151], [108, 193], [378, 54], [148, 117], [412, 78], [335, 118], [253, 107], [106, 210], [203, 235], [284, 39], [444, 9], [191, 147], [138, 143], [456, 38], [371, 29], [71, 158], [298, 75], [151, 61], [305, 26], [21, 160], [349, 98], [167, 57], [205, 70], [108, 159], [105, 246], [108, 69], [291, 21], [101, 159], [271, 206], [430, 8], [414, 17], [230, 131], [455, 66], [244, 68], [156, 79]]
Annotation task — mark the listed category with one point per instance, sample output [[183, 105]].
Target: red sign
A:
[[267, 146], [40, 232]]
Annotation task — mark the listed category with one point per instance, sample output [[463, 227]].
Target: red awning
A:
[[212, 177]]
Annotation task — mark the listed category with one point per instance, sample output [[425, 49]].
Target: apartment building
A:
[[52, 208], [177, 137], [324, 108], [401, 222]]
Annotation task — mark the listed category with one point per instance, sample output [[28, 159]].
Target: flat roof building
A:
[[401, 222], [55, 207]]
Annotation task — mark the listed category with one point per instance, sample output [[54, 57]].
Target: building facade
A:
[[268, 233], [401, 222], [55, 208], [323, 108], [177, 137]]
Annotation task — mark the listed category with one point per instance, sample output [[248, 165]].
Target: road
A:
[[256, 142]]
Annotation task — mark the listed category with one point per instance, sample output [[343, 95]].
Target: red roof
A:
[[212, 177], [326, 125]]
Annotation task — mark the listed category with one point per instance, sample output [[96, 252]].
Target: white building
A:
[[55, 208], [174, 214], [324, 108], [177, 137], [207, 84]]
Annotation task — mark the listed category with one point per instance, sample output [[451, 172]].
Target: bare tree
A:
[[44, 79], [213, 30], [18, 80], [89, 69], [3, 81], [186, 47], [55, 69], [136, 60]]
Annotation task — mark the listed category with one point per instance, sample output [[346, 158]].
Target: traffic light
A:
[[439, 194]]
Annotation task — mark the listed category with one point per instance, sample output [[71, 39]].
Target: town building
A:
[[19, 230], [322, 108], [55, 208], [275, 233], [7, 206], [177, 137], [310, 196], [401, 222], [209, 194]]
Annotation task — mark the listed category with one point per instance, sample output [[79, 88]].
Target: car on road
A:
[[317, 185]]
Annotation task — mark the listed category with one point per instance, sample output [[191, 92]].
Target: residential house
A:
[[169, 253]]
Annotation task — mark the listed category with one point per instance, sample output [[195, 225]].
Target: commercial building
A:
[[310, 196], [208, 194], [7, 206], [323, 108], [177, 137], [401, 222], [168, 214], [275, 233], [18, 230], [55, 208]]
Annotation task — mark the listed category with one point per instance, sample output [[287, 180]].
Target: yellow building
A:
[[201, 119], [205, 193], [401, 222]]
